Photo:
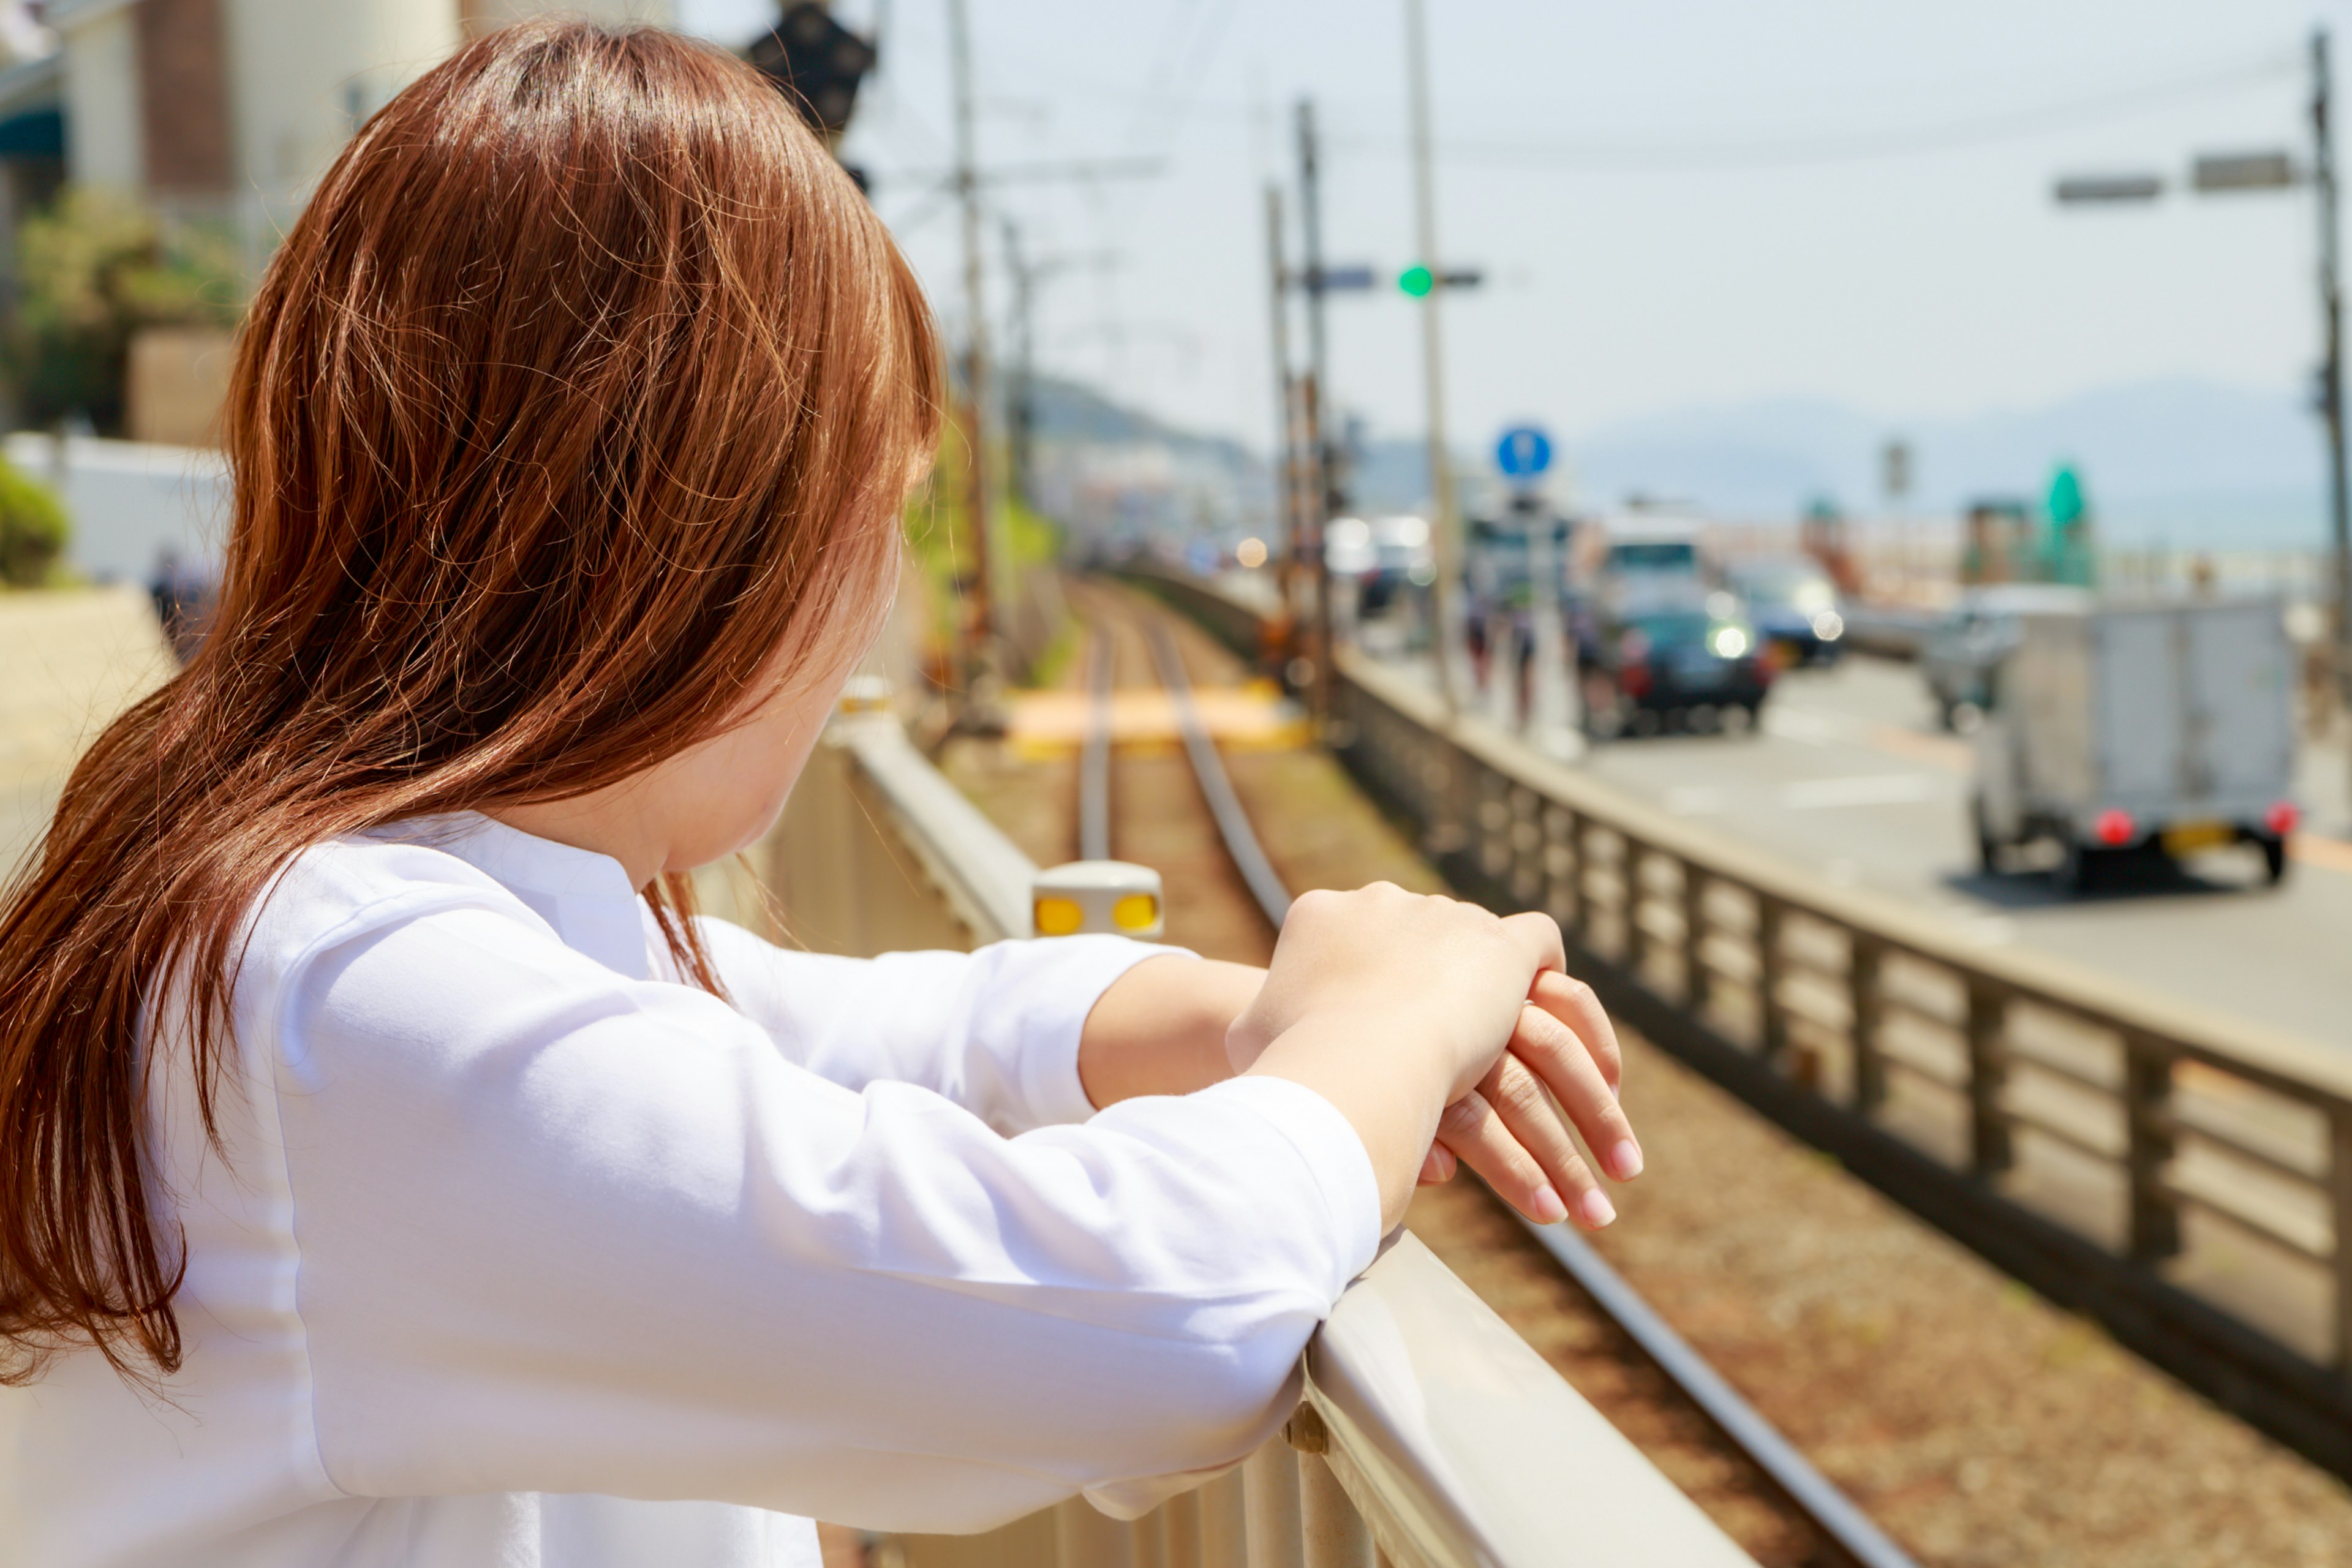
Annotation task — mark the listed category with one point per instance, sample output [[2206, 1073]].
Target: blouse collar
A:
[[585, 896]]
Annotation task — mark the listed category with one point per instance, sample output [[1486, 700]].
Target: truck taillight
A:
[[2282, 817], [2114, 828]]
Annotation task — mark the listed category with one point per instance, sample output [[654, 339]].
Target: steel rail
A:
[[1806, 1492], [1094, 757], [1248, 855]]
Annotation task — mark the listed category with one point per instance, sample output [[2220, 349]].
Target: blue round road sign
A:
[[1524, 452]]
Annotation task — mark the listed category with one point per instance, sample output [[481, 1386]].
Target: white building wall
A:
[[105, 141], [497, 12]]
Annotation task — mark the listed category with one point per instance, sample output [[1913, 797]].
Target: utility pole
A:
[[2331, 368], [1022, 405], [1286, 443], [1446, 506], [981, 674], [1323, 462]]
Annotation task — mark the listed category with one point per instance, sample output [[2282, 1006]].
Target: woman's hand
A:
[[1398, 1010], [1563, 1056]]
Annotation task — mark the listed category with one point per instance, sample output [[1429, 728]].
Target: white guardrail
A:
[[1429, 1435]]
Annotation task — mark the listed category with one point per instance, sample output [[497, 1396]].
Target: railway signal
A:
[[817, 63]]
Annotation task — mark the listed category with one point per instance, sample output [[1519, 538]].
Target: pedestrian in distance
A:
[[394, 1169]]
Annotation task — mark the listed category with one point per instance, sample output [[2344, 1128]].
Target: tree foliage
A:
[[92, 270]]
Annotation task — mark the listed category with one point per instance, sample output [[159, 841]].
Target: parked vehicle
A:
[[1650, 546], [1793, 605], [2154, 728], [1958, 658], [1672, 657]]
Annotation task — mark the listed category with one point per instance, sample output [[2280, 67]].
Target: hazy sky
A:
[[1677, 202]]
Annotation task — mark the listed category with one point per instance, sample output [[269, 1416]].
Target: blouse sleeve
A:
[[562, 1231], [996, 1031]]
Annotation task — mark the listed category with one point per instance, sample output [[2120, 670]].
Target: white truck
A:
[[2124, 727]]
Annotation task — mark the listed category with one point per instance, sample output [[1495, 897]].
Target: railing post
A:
[[1864, 963], [1633, 861], [1580, 908], [2147, 1108], [1991, 1150], [1695, 974], [1225, 1529], [1331, 1529], [1331, 1532], [1270, 1486], [1085, 1538], [1773, 1016], [2339, 1182]]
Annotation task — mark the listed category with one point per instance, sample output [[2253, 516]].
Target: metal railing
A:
[[2183, 1177], [1428, 1435]]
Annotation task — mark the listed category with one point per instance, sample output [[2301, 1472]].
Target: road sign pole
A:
[[1446, 519]]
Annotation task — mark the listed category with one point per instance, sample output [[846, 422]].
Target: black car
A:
[[1688, 662], [1793, 606]]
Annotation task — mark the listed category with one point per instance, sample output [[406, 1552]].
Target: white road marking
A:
[[1808, 794], [1866, 789]]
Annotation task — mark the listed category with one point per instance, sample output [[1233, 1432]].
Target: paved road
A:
[[1851, 778]]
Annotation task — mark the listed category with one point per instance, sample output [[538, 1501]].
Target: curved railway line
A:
[[1658, 1390]]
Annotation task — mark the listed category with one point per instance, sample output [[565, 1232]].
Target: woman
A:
[[393, 1170]]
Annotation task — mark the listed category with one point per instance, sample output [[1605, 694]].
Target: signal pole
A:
[[1285, 444], [1022, 406], [1322, 463], [982, 676], [2331, 369], [1446, 522]]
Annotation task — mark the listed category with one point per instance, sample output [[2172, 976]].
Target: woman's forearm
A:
[[1159, 1028]]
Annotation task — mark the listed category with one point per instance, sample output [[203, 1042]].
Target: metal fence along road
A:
[[2185, 1179]]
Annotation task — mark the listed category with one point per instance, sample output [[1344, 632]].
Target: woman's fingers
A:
[[1571, 1002], [1568, 1067], [1437, 1166], [1476, 1132], [1531, 1119]]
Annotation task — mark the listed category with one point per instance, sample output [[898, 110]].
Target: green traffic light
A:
[[1416, 280]]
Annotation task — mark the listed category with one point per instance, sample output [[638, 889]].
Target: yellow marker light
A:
[[1096, 896], [1058, 917]]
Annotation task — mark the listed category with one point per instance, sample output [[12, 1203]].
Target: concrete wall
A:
[[129, 501], [105, 131]]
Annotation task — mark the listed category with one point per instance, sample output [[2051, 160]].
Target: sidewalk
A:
[[70, 661]]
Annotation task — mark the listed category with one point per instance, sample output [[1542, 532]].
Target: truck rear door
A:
[[2139, 708], [2240, 702]]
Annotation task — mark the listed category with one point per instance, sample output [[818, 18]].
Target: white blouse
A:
[[524, 1255]]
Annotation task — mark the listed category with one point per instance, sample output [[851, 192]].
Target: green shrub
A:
[[92, 269], [33, 528]]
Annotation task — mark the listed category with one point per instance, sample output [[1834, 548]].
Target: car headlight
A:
[[1829, 625], [1728, 642]]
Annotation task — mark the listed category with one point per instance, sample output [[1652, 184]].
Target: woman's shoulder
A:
[[340, 889]]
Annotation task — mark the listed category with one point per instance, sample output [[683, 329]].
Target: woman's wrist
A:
[[1159, 1028]]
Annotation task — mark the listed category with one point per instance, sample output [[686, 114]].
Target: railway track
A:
[[1633, 1365]]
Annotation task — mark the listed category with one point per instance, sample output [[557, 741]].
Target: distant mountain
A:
[[2188, 463], [1070, 410], [2182, 461]]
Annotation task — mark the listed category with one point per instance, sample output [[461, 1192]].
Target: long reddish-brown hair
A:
[[579, 403]]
